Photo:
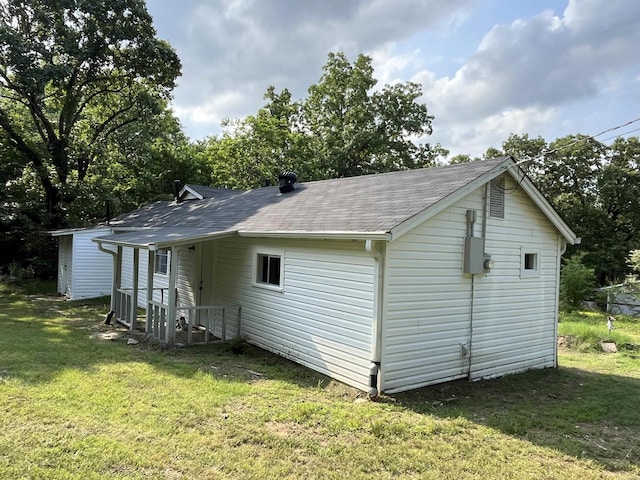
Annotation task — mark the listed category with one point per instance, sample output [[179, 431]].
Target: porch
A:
[[181, 304], [202, 324]]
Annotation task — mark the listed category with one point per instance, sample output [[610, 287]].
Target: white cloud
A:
[[247, 45], [534, 67], [526, 75]]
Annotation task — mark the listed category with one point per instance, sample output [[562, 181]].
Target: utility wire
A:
[[620, 134], [590, 137]]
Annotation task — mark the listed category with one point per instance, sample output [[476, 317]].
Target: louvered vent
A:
[[496, 198]]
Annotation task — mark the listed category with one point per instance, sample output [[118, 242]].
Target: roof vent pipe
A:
[[176, 187], [287, 179]]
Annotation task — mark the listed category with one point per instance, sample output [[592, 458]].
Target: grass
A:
[[588, 329], [73, 406]]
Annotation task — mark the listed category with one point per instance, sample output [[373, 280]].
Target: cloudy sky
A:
[[487, 67]]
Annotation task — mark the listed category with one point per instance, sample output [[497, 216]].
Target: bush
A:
[[577, 282]]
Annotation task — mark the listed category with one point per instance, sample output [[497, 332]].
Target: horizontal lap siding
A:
[[187, 278], [514, 321], [428, 306], [323, 316], [92, 269], [160, 281], [427, 309]]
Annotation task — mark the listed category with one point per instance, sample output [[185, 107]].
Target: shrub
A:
[[577, 282]]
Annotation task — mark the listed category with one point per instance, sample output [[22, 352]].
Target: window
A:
[[269, 269], [530, 263], [161, 261], [496, 198]]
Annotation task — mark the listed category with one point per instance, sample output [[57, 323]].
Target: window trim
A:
[[257, 254], [160, 252], [529, 272]]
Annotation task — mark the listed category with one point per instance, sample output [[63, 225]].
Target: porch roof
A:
[[155, 238]]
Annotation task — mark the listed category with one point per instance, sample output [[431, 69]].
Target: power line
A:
[[591, 137], [620, 134]]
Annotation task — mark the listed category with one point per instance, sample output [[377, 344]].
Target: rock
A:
[[132, 341], [609, 347]]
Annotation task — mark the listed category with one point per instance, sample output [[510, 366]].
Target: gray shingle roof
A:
[[370, 203]]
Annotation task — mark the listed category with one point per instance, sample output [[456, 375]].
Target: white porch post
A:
[[171, 316], [150, 269], [134, 297]]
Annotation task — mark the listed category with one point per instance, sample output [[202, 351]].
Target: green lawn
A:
[[73, 406]]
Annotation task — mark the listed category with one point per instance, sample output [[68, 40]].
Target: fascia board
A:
[[542, 203], [187, 188], [328, 235], [427, 213]]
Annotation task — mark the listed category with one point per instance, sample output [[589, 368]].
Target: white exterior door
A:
[[65, 259]]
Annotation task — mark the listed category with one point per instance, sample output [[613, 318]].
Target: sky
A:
[[488, 68]]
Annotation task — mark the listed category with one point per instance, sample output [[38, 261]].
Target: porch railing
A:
[[125, 309], [213, 321]]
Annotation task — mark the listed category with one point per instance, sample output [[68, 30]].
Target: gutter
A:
[[378, 255], [325, 235]]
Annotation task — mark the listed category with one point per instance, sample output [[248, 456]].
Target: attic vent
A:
[[496, 198], [287, 179]]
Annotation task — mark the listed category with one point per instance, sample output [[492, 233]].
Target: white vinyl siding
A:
[[428, 308], [160, 281], [515, 316], [428, 305], [83, 270], [322, 316], [188, 273]]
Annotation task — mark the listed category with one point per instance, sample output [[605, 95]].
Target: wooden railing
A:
[[125, 310], [214, 321]]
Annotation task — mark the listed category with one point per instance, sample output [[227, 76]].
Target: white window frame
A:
[[529, 272], [258, 254], [156, 264]]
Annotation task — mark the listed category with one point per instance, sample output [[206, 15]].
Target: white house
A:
[[386, 282], [83, 271]]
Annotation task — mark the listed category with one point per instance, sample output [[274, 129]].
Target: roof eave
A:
[[69, 231], [324, 235], [161, 243], [543, 204], [519, 175], [449, 200]]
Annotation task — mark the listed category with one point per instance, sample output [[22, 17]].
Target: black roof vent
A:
[[177, 187], [287, 179]]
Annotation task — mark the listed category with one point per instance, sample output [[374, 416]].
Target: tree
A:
[[72, 74], [343, 128], [576, 282], [357, 130], [594, 187], [461, 158], [254, 150]]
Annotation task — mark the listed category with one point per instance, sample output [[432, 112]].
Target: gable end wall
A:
[[428, 322]]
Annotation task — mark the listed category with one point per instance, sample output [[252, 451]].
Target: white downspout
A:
[[378, 296], [114, 255]]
